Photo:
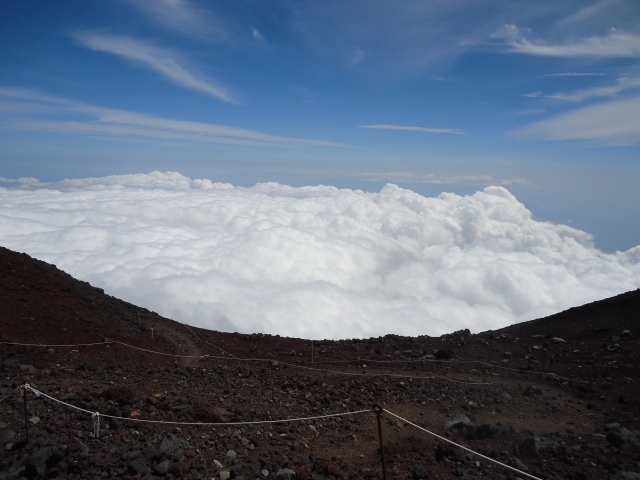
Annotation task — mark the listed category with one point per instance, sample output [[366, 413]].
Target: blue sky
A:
[[540, 97]]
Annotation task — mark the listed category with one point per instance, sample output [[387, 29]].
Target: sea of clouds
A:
[[314, 262]]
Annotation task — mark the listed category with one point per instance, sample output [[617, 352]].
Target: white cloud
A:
[[575, 74], [183, 16], [432, 179], [29, 110], [598, 8], [414, 129], [621, 85], [613, 123], [168, 63], [257, 35], [613, 45], [312, 261]]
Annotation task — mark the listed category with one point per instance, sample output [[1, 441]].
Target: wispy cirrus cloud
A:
[[609, 91], [29, 110], [409, 128], [182, 16], [575, 74], [613, 45], [611, 123], [168, 63]]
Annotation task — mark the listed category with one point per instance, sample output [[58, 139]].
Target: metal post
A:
[[312, 352], [26, 417], [151, 333], [378, 409]]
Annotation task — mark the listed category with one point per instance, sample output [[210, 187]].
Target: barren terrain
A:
[[556, 397]]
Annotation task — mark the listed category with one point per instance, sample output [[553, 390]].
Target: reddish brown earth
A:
[[559, 428]]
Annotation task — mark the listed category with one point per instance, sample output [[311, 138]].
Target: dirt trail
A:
[[179, 336]]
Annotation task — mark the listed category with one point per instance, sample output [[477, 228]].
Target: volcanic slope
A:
[[556, 397]]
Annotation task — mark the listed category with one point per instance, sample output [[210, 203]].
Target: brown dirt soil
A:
[[557, 426]]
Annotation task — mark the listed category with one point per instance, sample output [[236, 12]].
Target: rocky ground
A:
[[555, 397]]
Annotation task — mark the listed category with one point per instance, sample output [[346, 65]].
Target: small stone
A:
[[626, 476], [558, 340], [38, 461], [620, 436], [224, 474], [457, 422], [170, 446], [135, 414], [419, 473], [163, 467], [29, 369], [531, 391], [265, 473], [529, 448], [515, 463], [119, 393], [137, 467], [285, 474], [35, 420], [206, 411], [232, 454]]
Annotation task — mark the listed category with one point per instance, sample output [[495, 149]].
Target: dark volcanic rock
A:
[[43, 459], [163, 467], [531, 391], [621, 436], [204, 411], [419, 473], [138, 466], [171, 447], [285, 474], [443, 355], [119, 393], [481, 432], [529, 447], [458, 422]]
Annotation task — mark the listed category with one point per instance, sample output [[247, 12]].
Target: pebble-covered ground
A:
[[492, 392]]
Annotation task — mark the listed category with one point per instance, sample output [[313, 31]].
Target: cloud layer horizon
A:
[[311, 262]]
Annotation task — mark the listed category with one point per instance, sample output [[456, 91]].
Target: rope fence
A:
[[460, 446], [95, 422], [335, 372]]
